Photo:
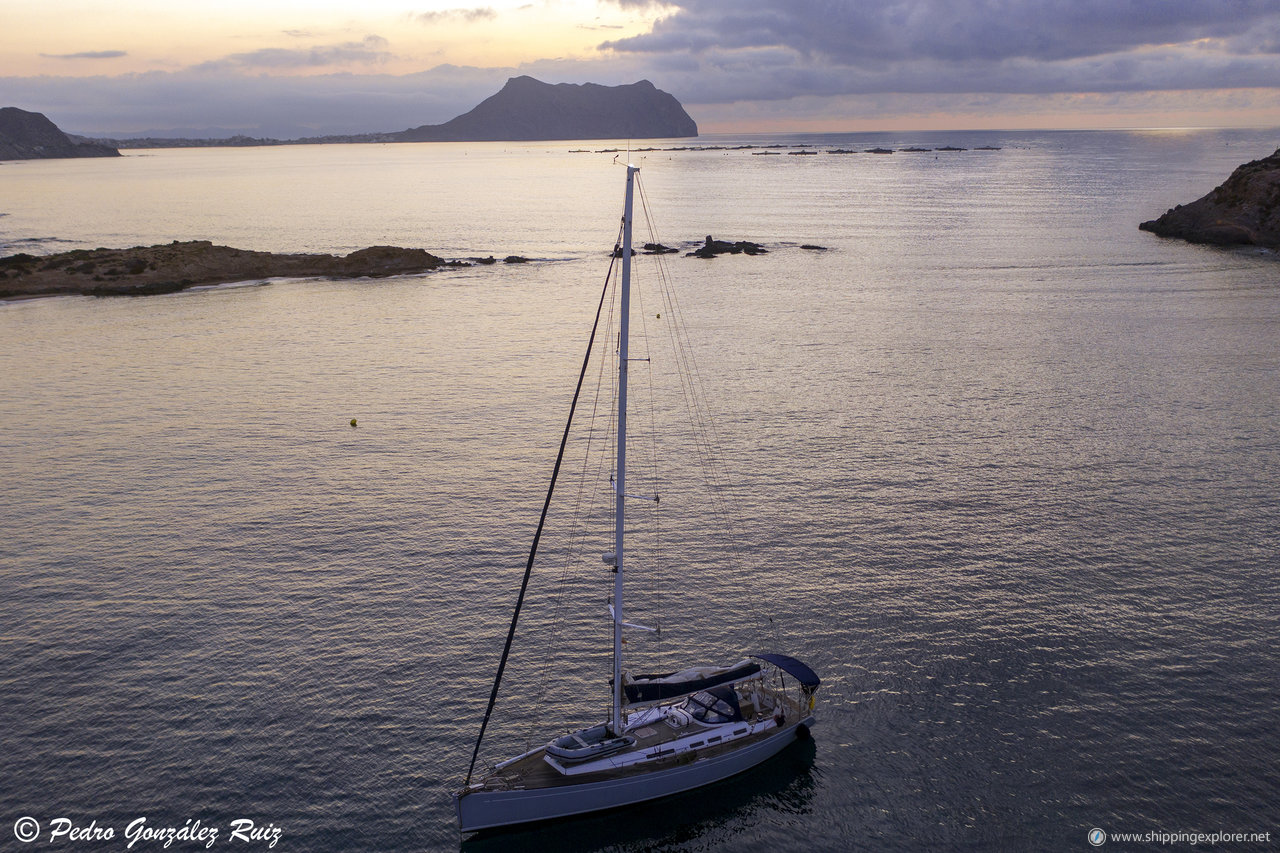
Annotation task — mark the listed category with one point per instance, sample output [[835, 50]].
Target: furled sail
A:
[[652, 688]]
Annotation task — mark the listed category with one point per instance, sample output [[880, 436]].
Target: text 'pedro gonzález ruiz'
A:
[[138, 830]]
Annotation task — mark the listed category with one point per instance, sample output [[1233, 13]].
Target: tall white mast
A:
[[621, 483]]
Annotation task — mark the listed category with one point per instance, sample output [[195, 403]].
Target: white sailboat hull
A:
[[484, 809]]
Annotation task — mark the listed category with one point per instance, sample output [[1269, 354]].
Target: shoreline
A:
[[178, 266], [1244, 210]]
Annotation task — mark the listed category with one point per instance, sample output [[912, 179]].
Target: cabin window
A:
[[706, 707]]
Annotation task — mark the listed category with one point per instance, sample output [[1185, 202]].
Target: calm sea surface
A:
[[1003, 469]]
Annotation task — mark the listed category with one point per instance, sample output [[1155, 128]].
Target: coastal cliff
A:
[[528, 109], [1243, 210], [31, 136]]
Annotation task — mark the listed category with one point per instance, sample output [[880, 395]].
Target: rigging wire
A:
[[577, 527], [706, 432], [706, 439], [533, 550], [652, 576]]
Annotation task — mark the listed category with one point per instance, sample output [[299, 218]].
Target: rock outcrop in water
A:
[[31, 136], [1244, 210], [528, 109], [712, 247], [148, 270]]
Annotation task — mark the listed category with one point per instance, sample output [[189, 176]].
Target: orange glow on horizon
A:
[[63, 38]]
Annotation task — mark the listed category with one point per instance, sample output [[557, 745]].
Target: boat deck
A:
[[533, 771]]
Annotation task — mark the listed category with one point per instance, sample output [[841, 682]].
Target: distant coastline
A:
[[524, 110], [388, 138], [25, 135], [147, 142]]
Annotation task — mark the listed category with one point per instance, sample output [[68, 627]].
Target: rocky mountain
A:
[[1243, 210], [29, 136], [528, 109]]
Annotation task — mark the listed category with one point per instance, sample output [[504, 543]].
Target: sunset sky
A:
[[290, 68]]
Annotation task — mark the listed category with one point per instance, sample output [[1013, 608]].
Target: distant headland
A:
[[1243, 211], [527, 110], [524, 110], [31, 136]]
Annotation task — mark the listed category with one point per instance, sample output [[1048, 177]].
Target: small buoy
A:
[[659, 316], [353, 421]]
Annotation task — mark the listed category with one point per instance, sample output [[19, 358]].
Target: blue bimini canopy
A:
[[791, 666]]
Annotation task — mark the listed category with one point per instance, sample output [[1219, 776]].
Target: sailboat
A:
[[666, 733]]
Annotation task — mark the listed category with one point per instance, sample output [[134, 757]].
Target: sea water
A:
[[1000, 467]]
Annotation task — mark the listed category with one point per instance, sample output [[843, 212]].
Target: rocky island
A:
[[712, 247], [1243, 211], [31, 136], [148, 270], [526, 109]]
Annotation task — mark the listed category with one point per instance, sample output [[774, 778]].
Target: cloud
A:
[[233, 101], [88, 54], [370, 51], [1261, 38], [874, 31], [766, 58], [466, 16], [778, 49]]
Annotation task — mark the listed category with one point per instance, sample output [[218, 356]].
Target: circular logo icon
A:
[[27, 829], [1097, 837]]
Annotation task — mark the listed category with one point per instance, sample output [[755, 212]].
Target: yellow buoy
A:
[[353, 421]]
